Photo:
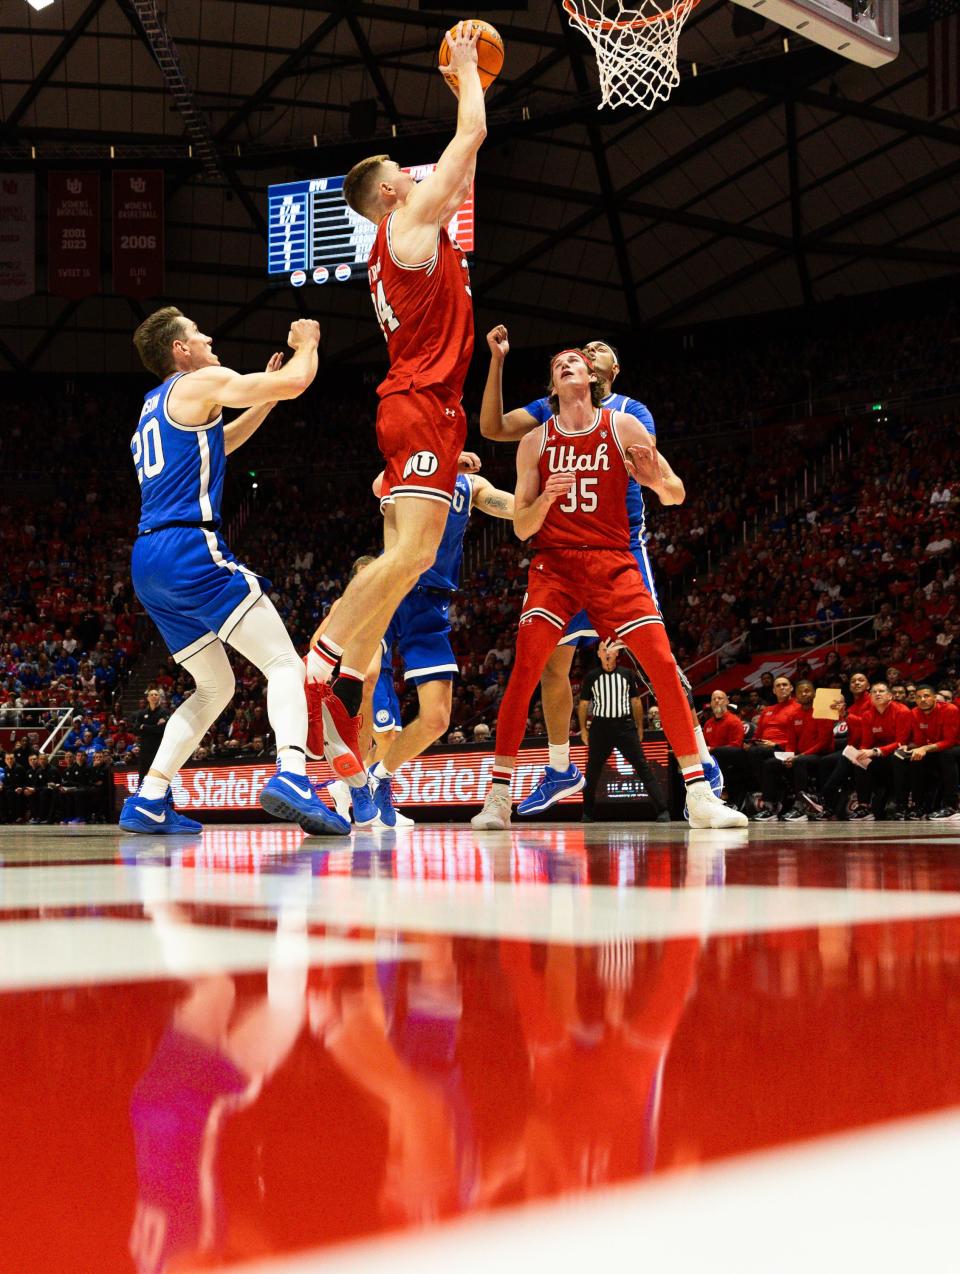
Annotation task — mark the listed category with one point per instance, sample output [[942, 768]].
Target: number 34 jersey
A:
[[593, 513], [425, 312]]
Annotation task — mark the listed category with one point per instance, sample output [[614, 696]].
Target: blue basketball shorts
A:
[[192, 587], [580, 632], [422, 628]]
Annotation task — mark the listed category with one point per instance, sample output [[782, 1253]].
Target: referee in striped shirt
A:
[[617, 722]]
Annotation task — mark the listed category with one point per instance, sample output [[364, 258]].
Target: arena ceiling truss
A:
[[774, 178]]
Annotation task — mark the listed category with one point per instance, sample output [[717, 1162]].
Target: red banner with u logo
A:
[[138, 248], [73, 235]]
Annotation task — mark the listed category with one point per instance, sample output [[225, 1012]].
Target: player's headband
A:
[[579, 353]]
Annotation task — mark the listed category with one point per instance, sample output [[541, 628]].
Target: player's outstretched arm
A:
[[438, 196], [203, 391], [488, 499], [495, 424], [239, 430], [531, 505], [645, 463]]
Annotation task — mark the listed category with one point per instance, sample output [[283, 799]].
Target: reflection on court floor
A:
[[248, 1047]]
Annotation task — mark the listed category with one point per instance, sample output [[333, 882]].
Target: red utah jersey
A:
[[781, 723], [939, 726], [723, 732], [885, 730], [425, 312], [593, 513]]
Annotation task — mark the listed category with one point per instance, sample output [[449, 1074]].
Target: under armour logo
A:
[[603, 433], [448, 411]]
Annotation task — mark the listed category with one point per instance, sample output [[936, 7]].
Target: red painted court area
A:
[[250, 1048]]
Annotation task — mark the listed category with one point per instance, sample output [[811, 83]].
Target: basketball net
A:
[[636, 47]]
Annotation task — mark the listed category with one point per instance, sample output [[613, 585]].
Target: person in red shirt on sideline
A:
[[876, 735], [929, 759], [777, 729], [814, 739], [836, 782], [725, 732]]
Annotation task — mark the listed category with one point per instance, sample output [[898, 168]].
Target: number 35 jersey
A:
[[425, 312], [593, 513], [180, 468]]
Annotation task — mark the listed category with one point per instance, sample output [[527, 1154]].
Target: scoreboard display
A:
[[314, 237]]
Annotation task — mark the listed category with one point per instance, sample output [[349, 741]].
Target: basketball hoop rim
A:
[[608, 24]]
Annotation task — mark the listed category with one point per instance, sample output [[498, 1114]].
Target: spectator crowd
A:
[[875, 539]]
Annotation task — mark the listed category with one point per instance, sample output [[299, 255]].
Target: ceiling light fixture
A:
[[39, 4]]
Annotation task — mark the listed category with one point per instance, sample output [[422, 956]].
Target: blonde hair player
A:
[[420, 288], [561, 777], [572, 477]]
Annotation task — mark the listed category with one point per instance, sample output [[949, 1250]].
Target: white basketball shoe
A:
[[495, 815], [707, 811]]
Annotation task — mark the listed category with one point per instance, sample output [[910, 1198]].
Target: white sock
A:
[[380, 772], [153, 789], [292, 761], [702, 749], [559, 756]]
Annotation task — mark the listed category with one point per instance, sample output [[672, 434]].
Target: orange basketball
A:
[[489, 54]]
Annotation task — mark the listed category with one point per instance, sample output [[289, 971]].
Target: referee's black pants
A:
[[605, 734]]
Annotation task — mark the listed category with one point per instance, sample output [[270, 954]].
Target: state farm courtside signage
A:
[[18, 234], [442, 778], [73, 235], [138, 248]]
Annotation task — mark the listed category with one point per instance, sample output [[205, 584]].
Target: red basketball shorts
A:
[[421, 433], [605, 582]]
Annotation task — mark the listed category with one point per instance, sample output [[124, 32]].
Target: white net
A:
[[636, 47]]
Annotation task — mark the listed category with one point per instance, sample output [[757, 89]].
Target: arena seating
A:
[[881, 537]]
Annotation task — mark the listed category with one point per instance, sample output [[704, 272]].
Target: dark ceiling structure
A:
[[776, 177]]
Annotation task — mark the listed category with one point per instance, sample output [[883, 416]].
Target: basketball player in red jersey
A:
[[421, 293], [572, 477]]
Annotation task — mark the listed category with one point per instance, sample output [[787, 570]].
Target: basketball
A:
[[489, 54]]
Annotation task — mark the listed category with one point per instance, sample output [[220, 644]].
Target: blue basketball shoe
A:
[[553, 787], [291, 798], [184, 824], [714, 776], [157, 817], [365, 810], [383, 800]]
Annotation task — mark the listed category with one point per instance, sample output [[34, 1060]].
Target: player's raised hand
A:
[[275, 363], [558, 484], [644, 465], [303, 331], [462, 42], [468, 462], [499, 342]]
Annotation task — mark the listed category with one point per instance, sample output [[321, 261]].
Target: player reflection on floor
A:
[[509, 1070], [212, 1062]]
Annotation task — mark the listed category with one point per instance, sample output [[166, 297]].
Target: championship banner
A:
[[73, 235], [138, 245], [446, 777], [18, 252]]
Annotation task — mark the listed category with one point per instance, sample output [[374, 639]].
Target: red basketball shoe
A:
[[341, 738]]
